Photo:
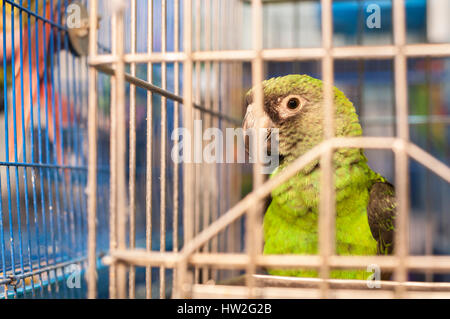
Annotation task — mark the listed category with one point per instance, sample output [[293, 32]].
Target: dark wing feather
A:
[[381, 212]]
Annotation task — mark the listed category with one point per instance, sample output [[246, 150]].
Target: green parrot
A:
[[365, 201]]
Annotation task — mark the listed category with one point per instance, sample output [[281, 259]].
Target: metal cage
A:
[[210, 32], [153, 227]]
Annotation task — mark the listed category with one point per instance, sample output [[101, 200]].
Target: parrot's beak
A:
[[257, 119]]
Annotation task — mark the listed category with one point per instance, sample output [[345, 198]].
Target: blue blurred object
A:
[[348, 16], [42, 199]]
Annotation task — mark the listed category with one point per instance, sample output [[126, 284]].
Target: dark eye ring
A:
[[293, 103]]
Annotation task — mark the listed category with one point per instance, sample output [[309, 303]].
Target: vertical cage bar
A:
[[216, 123], [15, 147], [113, 174], [240, 84], [187, 163], [57, 151], [197, 116], [235, 229], [231, 238], [162, 270], [5, 103], [327, 201], [92, 169], [121, 146], [46, 54], [84, 156], [58, 145], [253, 219], [401, 156], [132, 150], [6, 130], [207, 118], [71, 94], [176, 71], [224, 108], [15, 137], [76, 146], [31, 112], [25, 175], [223, 96], [149, 163], [40, 147], [429, 215]]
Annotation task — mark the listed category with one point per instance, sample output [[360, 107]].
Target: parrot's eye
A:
[[290, 106], [293, 103]]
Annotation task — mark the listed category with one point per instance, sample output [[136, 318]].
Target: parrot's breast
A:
[[291, 221]]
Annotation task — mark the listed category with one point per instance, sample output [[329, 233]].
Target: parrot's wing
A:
[[267, 201], [381, 213]]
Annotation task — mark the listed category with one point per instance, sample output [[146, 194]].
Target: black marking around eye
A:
[[271, 108], [249, 99]]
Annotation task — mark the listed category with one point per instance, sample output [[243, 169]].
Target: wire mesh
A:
[[44, 169]]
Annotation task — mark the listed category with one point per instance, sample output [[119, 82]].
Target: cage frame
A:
[[120, 257]]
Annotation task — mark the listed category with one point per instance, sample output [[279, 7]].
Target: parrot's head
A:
[[293, 104]]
